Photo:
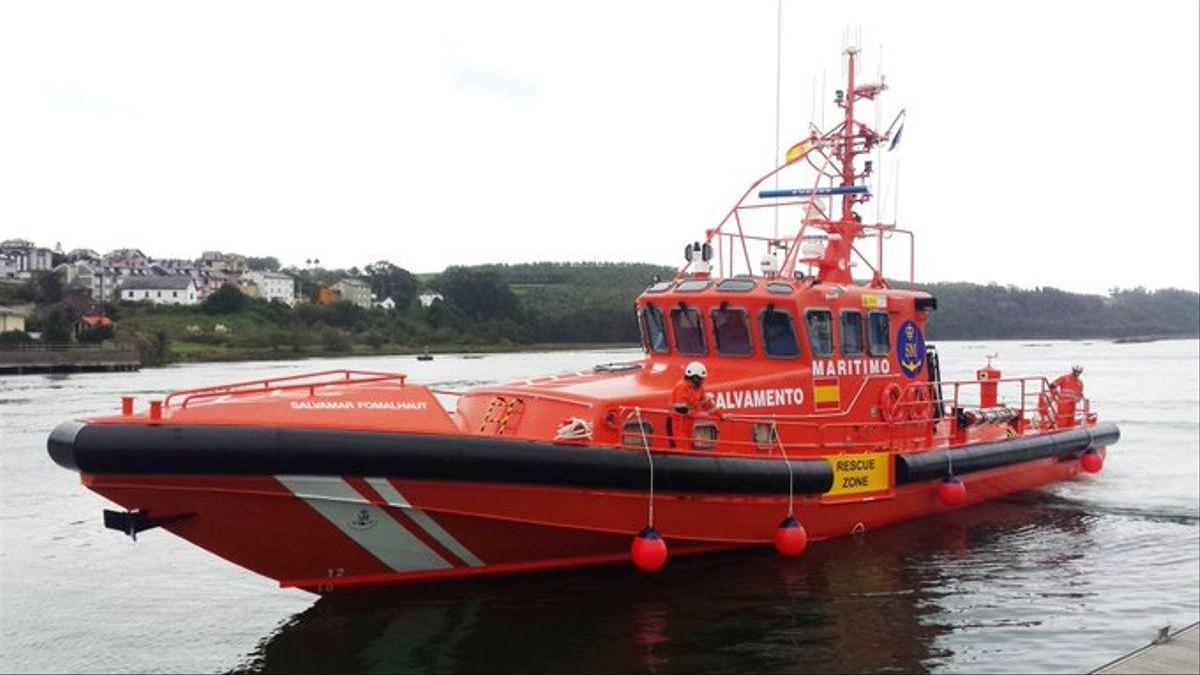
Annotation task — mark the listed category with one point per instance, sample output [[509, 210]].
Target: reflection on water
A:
[[1060, 580], [863, 604]]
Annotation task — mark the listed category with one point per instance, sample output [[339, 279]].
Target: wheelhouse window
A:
[[689, 331], [704, 436], [879, 334], [656, 329], [732, 332], [819, 324], [852, 334], [779, 335]]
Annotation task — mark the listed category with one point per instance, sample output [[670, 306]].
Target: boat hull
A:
[[377, 521]]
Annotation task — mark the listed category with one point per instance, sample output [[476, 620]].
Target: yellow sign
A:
[[874, 301], [859, 473]]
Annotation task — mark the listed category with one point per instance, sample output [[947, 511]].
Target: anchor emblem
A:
[[910, 349], [362, 520]]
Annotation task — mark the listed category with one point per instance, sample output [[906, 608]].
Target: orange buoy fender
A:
[[952, 492], [1092, 461], [649, 551], [790, 537]]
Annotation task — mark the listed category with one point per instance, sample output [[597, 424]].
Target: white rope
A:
[[646, 446], [788, 463], [575, 429]]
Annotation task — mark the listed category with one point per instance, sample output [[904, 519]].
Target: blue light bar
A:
[[819, 192]]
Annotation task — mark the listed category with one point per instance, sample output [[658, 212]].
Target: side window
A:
[[819, 324], [732, 332], [656, 329], [779, 335], [852, 334], [689, 331], [880, 334]]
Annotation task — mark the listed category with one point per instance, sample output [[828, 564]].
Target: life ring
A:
[[889, 403], [917, 403]]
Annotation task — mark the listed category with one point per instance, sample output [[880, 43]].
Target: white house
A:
[[273, 286], [386, 304], [29, 258], [10, 267], [172, 290], [427, 298]]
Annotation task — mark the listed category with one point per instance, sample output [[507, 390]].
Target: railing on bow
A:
[[923, 417], [309, 381]]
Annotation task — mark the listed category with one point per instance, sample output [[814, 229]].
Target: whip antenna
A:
[[778, 77]]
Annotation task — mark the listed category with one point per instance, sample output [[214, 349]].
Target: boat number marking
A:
[[859, 473], [360, 405]]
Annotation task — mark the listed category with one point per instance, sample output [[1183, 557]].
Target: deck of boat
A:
[[1179, 652]]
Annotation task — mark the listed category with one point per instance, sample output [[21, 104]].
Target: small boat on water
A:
[[779, 402]]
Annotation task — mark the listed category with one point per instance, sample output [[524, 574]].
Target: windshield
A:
[[732, 332], [656, 329], [689, 332]]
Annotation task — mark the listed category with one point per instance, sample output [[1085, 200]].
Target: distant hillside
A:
[[592, 302], [973, 311], [512, 306], [579, 302]]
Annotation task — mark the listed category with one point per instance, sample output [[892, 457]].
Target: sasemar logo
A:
[[362, 520], [910, 349]]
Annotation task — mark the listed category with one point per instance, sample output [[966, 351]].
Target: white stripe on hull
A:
[[366, 524], [393, 497]]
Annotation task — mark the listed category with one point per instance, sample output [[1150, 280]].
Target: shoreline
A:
[[235, 356], [238, 356]]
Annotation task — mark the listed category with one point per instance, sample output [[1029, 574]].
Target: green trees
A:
[[227, 299], [266, 264], [479, 293], [974, 311], [390, 281]]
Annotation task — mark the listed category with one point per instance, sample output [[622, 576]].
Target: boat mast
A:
[[834, 265]]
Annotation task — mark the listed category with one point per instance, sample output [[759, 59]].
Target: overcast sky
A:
[[1047, 143]]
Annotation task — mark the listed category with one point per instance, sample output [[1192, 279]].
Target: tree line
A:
[[547, 302]]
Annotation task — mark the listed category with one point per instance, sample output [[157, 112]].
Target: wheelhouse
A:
[[735, 320]]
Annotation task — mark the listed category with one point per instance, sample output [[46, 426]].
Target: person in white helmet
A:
[[689, 398]]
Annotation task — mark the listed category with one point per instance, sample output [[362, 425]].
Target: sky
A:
[[1046, 143]]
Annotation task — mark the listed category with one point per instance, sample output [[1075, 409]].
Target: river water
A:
[[1060, 580]]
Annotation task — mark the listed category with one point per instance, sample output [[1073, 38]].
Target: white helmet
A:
[[695, 369]]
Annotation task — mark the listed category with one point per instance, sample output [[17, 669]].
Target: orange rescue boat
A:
[[778, 403]]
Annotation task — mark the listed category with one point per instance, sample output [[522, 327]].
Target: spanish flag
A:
[[827, 393], [799, 150]]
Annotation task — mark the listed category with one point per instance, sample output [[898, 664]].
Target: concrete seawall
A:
[[67, 359]]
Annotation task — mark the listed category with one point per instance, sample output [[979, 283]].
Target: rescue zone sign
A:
[[859, 473]]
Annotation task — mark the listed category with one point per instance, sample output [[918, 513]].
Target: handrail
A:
[[820, 430], [839, 434], [283, 383]]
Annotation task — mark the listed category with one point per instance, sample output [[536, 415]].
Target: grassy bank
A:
[[539, 305], [193, 352]]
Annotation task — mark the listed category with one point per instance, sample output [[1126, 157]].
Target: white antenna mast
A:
[[879, 148], [778, 78]]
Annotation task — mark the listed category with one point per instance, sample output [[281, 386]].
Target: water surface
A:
[[1059, 580]]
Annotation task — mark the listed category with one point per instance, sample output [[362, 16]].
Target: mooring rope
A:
[[646, 446], [788, 463]]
